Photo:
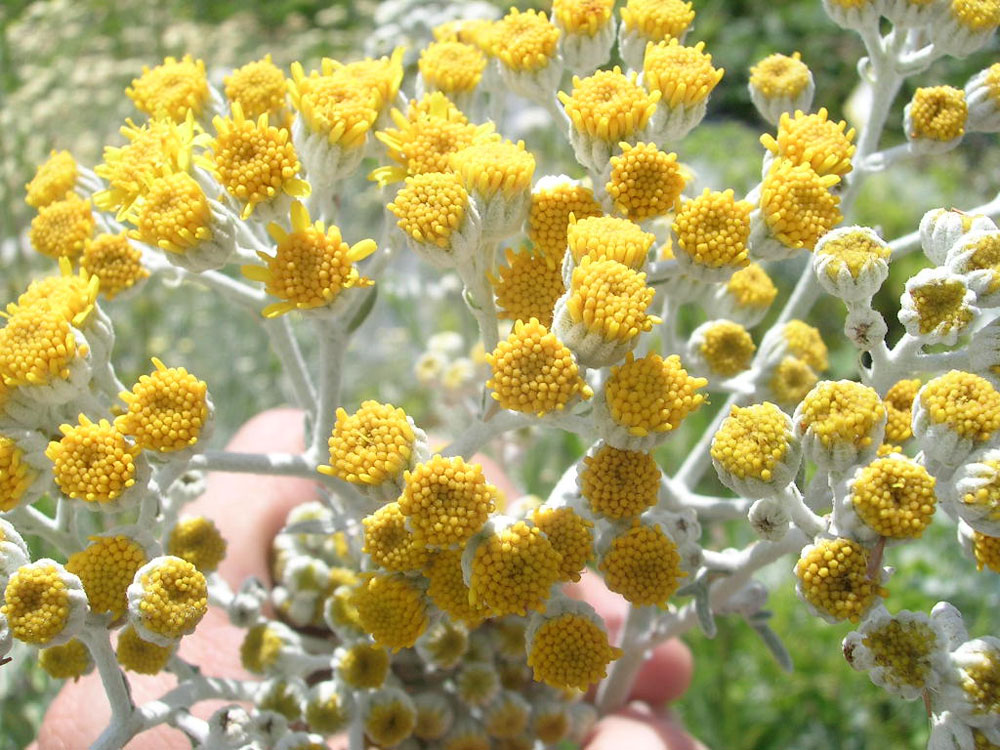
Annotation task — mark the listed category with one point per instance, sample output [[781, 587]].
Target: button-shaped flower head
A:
[[39, 348], [448, 590], [588, 32], [942, 228], [746, 297], [755, 451], [477, 683], [964, 26], [643, 562], [328, 707], [851, 263], [389, 716], [617, 483], [444, 644], [140, 656], [797, 207], [62, 227], [510, 567], [361, 664], [526, 45], [899, 404], [645, 182], [333, 107], [506, 716], [389, 543], [392, 609], [644, 399], [570, 534], [779, 84], [44, 604], [568, 646], [434, 213], [167, 600], [115, 261], [95, 462], [976, 256], [712, 232], [533, 372], [553, 200], [905, 653], [72, 660], [977, 492], [986, 551], [454, 68], [171, 89], [934, 120], [720, 349], [645, 21], [821, 143], [840, 423], [18, 474], [954, 414], [833, 580], [383, 76], [684, 77], [53, 179], [609, 238], [373, 447], [497, 174], [894, 496], [797, 339], [971, 688], [264, 645], [13, 550], [259, 88], [197, 540], [528, 285], [982, 94], [937, 306], [106, 568], [311, 265]]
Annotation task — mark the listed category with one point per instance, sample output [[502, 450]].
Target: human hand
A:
[[249, 511]]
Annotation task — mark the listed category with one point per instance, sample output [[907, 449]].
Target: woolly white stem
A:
[[279, 464], [286, 347]]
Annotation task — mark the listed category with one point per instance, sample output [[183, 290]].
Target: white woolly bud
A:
[[769, 519], [941, 228], [864, 327], [976, 255], [982, 94], [838, 271]]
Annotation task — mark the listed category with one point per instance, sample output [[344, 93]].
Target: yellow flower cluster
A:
[[390, 543], [173, 215], [173, 598], [431, 207], [446, 500], [609, 105], [364, 665], [494, 167], [528, 286], [37, 346], [16, 475], [391, 609], [643, 565], [447, 588], [549, 215], [260, 648], [652, 394], [682, 76], [780, 76], [71, 660], [713, 229], [610, 299], [986, 496], [54, 178], [139, 656], [570, 534], [371, 446], [727, 348], [797, 204], [172, 89], [336, 106], [814, 140], [833, 578], [657, 19], [451, 67], [968, 404], [806, 343], [609, 238], [938, 113], [899, 405], [198, 541], [855, 251], [513, 569], [167, 409], [36, 604], [841, 413], [62, 227], [941, 305], [258, 88], [752, 441], [791, 380], [894, 496], [525, 42], [618, 483], [981, 683], [93, 461], [584, 17], [570, 652], [903, 650], [106, 568], [115, 261], [644, 182], [986, 550]]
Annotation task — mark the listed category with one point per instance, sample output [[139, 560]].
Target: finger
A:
[[636, 727]]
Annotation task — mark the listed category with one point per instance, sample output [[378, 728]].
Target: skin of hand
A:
[[249, 510]]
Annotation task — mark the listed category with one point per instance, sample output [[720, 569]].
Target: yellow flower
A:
[[431, 207], [443, 646], [93, 461], [980, 257], [725, 348], [965, 403], [750, 292], [261, 648], [903, 653], [583, 17], [833, 577], [609, 105], [840, 414], [780, 76], [937, 113], [198, 541], [609, 238], [139, 656], [570, 534], [106, 568], [986, 550], [713, 230], [683, 76], [338, 107], [899, 405], [254, 161], [167, 409], [446, 500], [62, 227], [806, 343], [448, 590], [528, 286], [113, 260], [894, 496], [511, 569], [494, 167], [553, 201], [43, 603], [937, 306], [326, 710], [71, 660], [477, 683], [37, 346], [391, 609], [570, 651], [54, 178], [551, 722], [797, 204], [858, 251], [363, 665], [383, 75], [791, 380], [506, 716], [372, 446], [390, 543], [609, 300], [171, 89], [16, 475], [174, 215], [652, 394], [975, 15], [645, 182], [259, 88], [534, 372], [814, 140], [657, 19], [619, 484], [451, 67], [642, 564], [167, 599], [311, 265], [467, 734], [525, 42], [753, 442]]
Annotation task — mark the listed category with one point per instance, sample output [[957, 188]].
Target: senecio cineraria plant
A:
[[413, 606]]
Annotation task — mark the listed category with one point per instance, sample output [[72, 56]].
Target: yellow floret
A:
[[619, 484], [167, 409], [431, 207], [62, 227], [895, 497], [36, 604], [899, 405], [53, 179], [752, 287], [254, 161], [657, 19], [174, 215], [258, 87], [371, 446], [513, 569], [842, 413], [115, 261], [814, 140], [854, 251], [391, 609], [174, 598], [752, 441], [780, 76], [198, 541], [72, 660], [452, 67], [570, 534], [261, 648], [106, 567], [903, 650], [528, 286], [975, 15], [805, 342], [584, 17], [645, 182], [390, 543], [364, 665], [652, 394], [966, 403], [609, 105], [171, 88], [139, 656], [311, 265], [36, 346], [791, 380], [609, 238], [833, 577], [92, 461], [494, 167], [643, 565], [797, 203], [447, 500], [549, 215], [938, 113], [16, 475], [447, 588], [610, 299], [727, 348], [683, 76], [986, 550], [713, 229], [525, 42], [571, 652], [534, 372], [338, 107]]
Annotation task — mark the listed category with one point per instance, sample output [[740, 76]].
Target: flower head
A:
[[197, 540], [382, 76], [755, 451], [609, 105], [115, 261], [643, 564], [525, 42], [553, 201], [973, 686], [570, 534], [140, 656], [62, 227], [712, 233], [747, 295], [44, 604], [71, 660], [937, 113], [507, 715], [783, 80], [446, 500], [326, 708], [167, 410], [722, 348], [583, 17], [54, 178], [533, 372], [311, 265], [447, 588], [372, 446], [93, 461], [568, 647], [823, 144], [894, 496], [851, 262], [986, 550], [609, 238], [362, 665], [259, 88], [645, 182], [391, 609], [494, 167], [389, 717], [16, 475], [805, 342], [174, 214], [833, 579], [390, 543], [683, 76], [528, 286], [899, 405], [167, 600], [451, 67], [953, 414], [937, 306], [38, 346], [337, 107], [445, 643], [797, 205], [619, 484], [171, 89], [791, 379], [431, 207], [106, 568], [840, 421], [657, 20], [477, 683]]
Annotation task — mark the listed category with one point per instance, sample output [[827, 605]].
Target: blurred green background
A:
[[64, 65]]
